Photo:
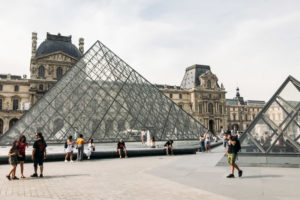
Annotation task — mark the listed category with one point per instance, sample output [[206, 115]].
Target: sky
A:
[[250, 44]]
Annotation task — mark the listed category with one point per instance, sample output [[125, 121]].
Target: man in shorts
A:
[[39, 154], [232, 154], [121, 147]]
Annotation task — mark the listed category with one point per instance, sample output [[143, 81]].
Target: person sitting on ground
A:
[[121, 147], [232, 149], [39, 154], [69, 149], [13, 160], [169, 147], [91, 148]]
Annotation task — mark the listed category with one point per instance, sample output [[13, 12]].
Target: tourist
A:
[[22, 146], [143, 136], [91, 148], [13, 160], [80, 147], [207, 140], [121, 147], [202, 143], [39, 154], [169, 147], [152, 141], [69, 149], [232, 150], [225, 141]]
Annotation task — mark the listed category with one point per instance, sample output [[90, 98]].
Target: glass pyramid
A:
[[103, 98], [276, 129]]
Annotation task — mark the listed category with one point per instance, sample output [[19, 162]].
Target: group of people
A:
[[79, 145], [205, 140], [17, 155], [146, 138]]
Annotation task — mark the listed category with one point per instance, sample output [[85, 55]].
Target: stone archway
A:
[[12, 122], [211, 125]]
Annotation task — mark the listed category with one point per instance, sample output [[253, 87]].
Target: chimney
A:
[[34, 41], [81, 45]]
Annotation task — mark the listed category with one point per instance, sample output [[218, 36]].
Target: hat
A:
[[228, 132]]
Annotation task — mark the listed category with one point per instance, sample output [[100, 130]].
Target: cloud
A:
[[250, 44]]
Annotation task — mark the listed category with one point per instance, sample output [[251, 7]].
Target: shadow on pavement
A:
[[263, 176]]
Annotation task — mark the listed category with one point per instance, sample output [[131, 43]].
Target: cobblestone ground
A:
[[100, 179]]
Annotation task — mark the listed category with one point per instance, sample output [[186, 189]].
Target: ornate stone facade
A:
[[202, 97], [48, 63]]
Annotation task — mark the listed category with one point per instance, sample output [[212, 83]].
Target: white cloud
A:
[[250, 44]]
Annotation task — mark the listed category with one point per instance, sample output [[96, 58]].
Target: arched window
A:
[[41, 87], [210, 108], [59, 73], [15, 104], [208, 84], [41, 71], [1, 126]]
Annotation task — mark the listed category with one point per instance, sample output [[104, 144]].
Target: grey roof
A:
[[13, 77], [55, 43], [231, 102], [255, 102], [191, 76]]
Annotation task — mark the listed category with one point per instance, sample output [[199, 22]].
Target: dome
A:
[[55, 43]]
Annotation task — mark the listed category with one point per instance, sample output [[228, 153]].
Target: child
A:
[[13, 160], [91, 148]]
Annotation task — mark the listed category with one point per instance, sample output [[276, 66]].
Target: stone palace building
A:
[[199, 93]]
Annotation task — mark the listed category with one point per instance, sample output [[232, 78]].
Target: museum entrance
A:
[[211, 126]]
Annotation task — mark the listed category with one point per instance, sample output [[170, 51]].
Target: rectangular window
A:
[[0, 104], [180, 96], [1, 87], [220, 109], [171, 96], [15, 104], [16, 88], [200, 108]]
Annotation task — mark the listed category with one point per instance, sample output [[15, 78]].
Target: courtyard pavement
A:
[[160, 177]]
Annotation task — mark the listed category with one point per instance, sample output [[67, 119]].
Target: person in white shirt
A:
[[91, 148], [143, 136]]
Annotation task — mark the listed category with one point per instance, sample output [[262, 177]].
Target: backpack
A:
[[66, 145], [237, 146]]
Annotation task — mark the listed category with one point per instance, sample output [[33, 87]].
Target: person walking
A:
[[13, 160], [22, 145], [39, 154], [232, 151], [80, 147], [91, 148], [69, 149]]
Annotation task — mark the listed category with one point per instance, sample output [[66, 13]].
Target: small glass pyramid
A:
[[103, 98], [276, 129]]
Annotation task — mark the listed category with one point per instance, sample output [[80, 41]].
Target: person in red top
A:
[[22, 146]]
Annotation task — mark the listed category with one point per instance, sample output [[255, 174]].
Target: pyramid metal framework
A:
[[276, 129], [103, 98]]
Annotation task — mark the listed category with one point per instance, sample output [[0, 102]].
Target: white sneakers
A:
[[70, 161]]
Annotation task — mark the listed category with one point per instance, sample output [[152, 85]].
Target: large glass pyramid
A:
[[276, 129], [103, 98]]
